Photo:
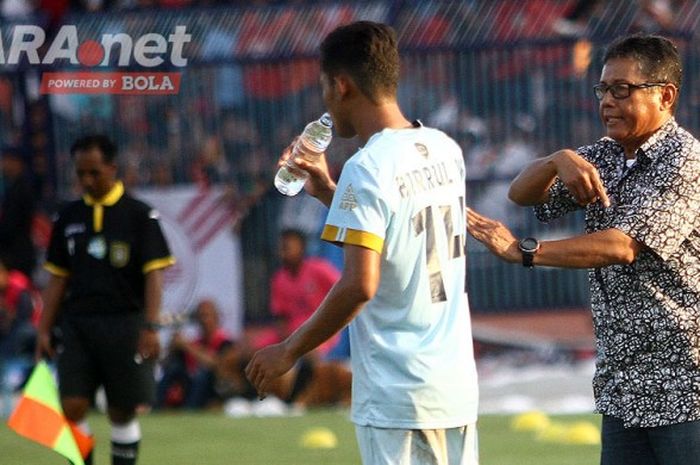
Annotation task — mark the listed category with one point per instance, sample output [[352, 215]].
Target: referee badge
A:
[[119, 254], [97, 247]]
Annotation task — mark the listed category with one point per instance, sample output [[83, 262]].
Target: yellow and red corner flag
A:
[[39, 417]]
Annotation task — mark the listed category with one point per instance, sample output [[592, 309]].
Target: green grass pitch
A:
[[214, 439]]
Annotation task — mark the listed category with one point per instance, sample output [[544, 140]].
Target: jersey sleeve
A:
[[57, 259], [359, 213], [156, 253]]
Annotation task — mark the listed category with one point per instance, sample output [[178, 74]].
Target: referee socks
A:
[[124, 454], [125, 443]]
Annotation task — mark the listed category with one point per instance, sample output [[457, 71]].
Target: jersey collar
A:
[[97, 204], [108, 200]]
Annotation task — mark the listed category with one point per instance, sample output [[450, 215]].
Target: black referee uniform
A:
[[105, 250]]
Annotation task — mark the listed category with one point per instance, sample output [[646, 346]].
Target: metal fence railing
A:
[[493, 74]]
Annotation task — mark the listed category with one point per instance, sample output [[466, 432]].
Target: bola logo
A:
[[146, 51]]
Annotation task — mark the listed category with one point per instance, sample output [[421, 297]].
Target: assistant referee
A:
[[105, 259]]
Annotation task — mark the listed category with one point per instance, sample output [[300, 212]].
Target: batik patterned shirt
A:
[[646, 314]]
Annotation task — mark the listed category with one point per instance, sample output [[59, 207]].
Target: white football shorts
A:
[[387, 446]]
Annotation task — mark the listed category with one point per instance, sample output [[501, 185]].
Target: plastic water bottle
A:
[[311, 144]]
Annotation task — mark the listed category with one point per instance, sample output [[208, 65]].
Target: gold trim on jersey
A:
[[158, 264], [98, 205], [353, 237], [56, 270]]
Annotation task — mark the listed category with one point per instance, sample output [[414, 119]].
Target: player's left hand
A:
[[267, 365], [149, 344], [494, 235]]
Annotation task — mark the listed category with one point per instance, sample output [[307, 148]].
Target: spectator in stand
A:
[[189, 372], [16, 213], [210, 166], [19, 309], [575, 21]]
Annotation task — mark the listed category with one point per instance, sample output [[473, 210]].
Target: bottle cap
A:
[[326, 120]]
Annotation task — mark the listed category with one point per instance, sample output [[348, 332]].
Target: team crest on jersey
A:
[[119, 254], [348, 201], [97, 247], [422, 149]]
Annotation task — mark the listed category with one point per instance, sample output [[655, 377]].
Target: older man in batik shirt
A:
[[640, 188]]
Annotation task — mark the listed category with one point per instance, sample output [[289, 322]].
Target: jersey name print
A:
[[424, 179]]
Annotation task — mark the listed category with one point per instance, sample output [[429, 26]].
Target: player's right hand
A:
[[580, 177], [320, 184], [267, 365]]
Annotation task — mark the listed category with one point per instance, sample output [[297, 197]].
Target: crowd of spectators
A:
[[57, 8], [234, 116]]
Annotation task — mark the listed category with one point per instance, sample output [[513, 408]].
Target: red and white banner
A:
[[197, 223]]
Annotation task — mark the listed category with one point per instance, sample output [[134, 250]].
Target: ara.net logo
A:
[[118, 50]]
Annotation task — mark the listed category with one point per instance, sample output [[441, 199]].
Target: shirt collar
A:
[[108, 200]]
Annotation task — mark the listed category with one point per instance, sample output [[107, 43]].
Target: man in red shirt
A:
[[300, 285], [297, 289]]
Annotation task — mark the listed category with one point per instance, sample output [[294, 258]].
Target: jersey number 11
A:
[[425, 221]]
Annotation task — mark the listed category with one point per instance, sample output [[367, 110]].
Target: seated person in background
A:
[[19, 308], [189, 370], [299, 286]]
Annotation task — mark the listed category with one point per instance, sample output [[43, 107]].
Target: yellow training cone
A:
[[554, 432], [319, 438], [530, 421], [583, 432]]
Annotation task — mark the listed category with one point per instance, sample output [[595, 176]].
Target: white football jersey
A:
[[403, 195]]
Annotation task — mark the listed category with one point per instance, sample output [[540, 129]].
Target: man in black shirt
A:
[[105, 257]]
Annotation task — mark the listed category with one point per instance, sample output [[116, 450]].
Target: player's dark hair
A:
[[294, 234], [658, 58], [368, 52], [96, 141]]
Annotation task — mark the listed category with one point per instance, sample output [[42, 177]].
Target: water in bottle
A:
[[310, 145]]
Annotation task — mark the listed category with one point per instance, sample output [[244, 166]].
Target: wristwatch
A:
[[528, 247]]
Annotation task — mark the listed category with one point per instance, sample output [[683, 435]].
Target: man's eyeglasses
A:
[[623, 89]]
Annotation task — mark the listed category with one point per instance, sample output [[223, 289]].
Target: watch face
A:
[[529, 244]]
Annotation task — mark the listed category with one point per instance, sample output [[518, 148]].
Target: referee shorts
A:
[[99, 349], [387, 446]]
